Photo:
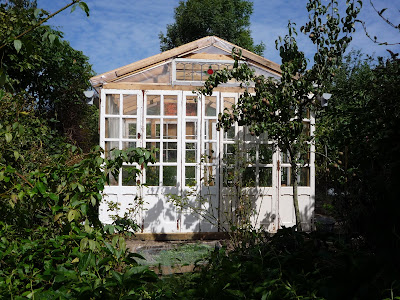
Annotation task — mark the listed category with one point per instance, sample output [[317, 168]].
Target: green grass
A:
[[184, 254]]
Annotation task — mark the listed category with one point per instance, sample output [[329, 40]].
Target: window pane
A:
[[153, 128], [191, 106], [112, 105], [304, 179], [209, 175], [229, 134], [129, 131], [210, 153], [265, 176], [286, 177], [170, 129], [170, 105], [153, 176], [126, 145], [152, 145], [211, 106], [113, 180], [190, 176], [191, 152], [229, 153], [112, 128], [251, 153], [169, 176], [153, 105], [210, 129], [129, 176], [130, 105], [170, 152], [109, 146], [249, 177], [306, 128], [191, 130], [265, 154], [229, 176], [228, 103]]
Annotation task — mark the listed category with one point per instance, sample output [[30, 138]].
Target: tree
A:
[[227, 19], [279, 107], [39, 62], [359, 131]]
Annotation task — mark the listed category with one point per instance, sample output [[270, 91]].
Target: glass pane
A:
[[170, 105], [210, 153], [305, 155], [152, 145], [129, 176], [190, 176], [130, 105], [251, 153], [265, 177], [229, 134], [304, 179], [211, 106], [112, 105], [229, 176], [209, 175], [228, 103], [191, 106], [113, 180], [126, 145], [112, 128], [249, 177], [265, 154], [286, 176], [210, 129], [169, 176], [170, 129], [306, 128], [153, 176], [191, 130], [170, 152], [153, 128], [180, 71], [229, 153], [109, 146], [285, 157], [191, 153], [129, 128], [153, 105]]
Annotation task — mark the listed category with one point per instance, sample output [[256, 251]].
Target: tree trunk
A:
[[296, 198]]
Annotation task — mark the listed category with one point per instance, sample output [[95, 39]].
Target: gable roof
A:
[[204, 44]]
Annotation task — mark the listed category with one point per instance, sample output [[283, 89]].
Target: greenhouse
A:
[[152, 103]]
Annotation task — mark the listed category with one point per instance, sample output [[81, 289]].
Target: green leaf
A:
[[17, 45], [8, 137], [84, 7], [52, 37], [92, 245], [16, 155], [41, 187], [71, 215], [37, 12]]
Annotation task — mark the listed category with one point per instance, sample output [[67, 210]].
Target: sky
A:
[[120, 32]]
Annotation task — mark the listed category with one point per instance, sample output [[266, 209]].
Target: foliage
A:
[[359, 130], [49, 70], [81, 265], [194, 19], [293, 265], [279, 107]]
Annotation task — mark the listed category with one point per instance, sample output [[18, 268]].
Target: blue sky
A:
[[119, 32]]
